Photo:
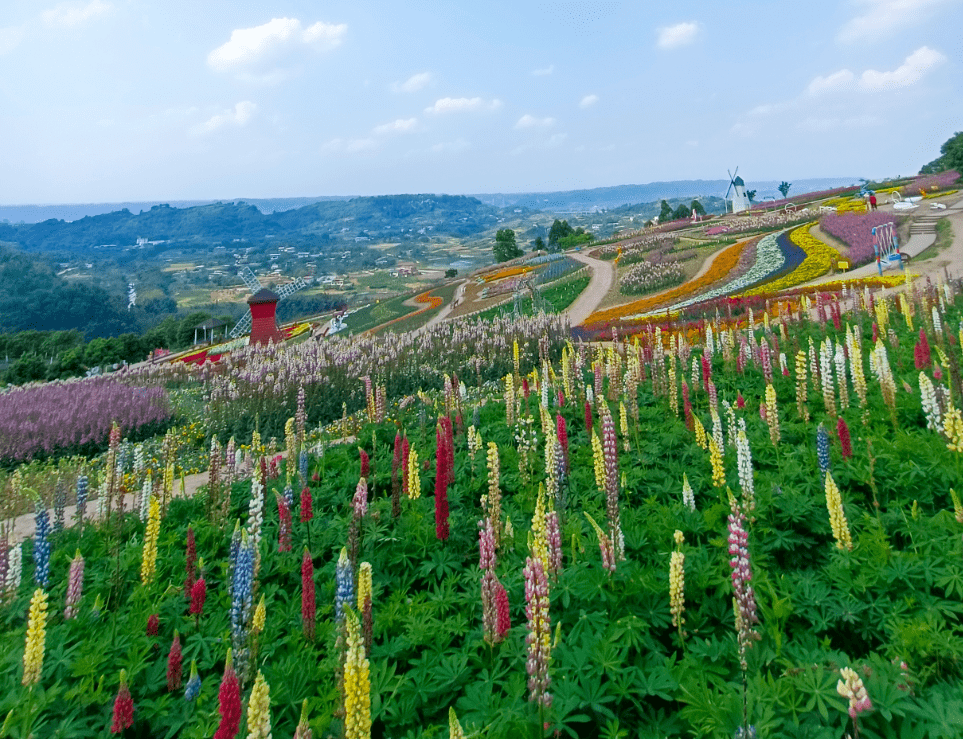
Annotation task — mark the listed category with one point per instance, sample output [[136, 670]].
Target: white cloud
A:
[[681, 34], [556, 139], [457, 105], [451, 147], [414, 83], [825, 124], [830, 83], [263, 50], [10, 38], [909, 72], [544, 72], [73, 13], [402, 125], [349, 146], [588, 101], [881, 18], [530, 121], [239, 116]]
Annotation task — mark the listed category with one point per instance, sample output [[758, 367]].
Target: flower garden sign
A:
[[886, 247]]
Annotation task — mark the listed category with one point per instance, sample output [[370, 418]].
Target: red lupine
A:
[[198, 596], [174, 665], [365, 463], [308, 606], [229, 703], [441, 484], [740, 401], [191, 565], [307, 505], [588, 418], [503, 621], [123, 707], [842, 430], [525, 387], [153, 624], [921, 353], [284, 524], [404, 465], [706, 372], [875, 332]]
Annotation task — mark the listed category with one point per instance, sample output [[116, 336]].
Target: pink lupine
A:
[[610, 451], [562, 432], [284, 524], [191, 562], [75, 585], [706, 372], [554, 541], [360, 500], [123, 716], [538, 639], [588, 418], [745, 597], [921, 352], [441, 485]]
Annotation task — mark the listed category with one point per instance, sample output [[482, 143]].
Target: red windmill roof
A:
[[263, 296]]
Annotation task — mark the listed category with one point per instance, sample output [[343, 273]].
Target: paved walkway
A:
[[603, 277]]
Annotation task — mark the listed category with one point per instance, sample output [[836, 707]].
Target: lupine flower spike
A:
[[123, 707], [174, 664], [308, 605], [75, 586], [193, 687], [677, 582], [229, 702], [357, 683], [303, 731], [36, 638], [454, 728], [259, 710]]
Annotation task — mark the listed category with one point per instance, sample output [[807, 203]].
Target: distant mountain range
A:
[[568, 201]]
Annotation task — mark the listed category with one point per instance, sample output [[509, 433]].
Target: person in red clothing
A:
[[872, 201]]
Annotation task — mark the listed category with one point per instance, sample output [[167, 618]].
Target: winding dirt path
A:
[[603, 278]]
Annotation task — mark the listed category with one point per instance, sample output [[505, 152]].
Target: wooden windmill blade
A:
[[242, 326], [291, 287], [732, 181]]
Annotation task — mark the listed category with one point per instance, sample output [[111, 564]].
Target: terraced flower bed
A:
[[818, 259], [856, 231]]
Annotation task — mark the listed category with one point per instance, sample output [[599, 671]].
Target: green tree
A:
[[784, 188], [666, 213], [539, 244], [559, 230], [951, 156], [681, 212], [751, 194], [451, 273], [697, 207], [505, 247]]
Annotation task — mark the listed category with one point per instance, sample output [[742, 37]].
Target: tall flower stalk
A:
[[357, 683], [75, 586], [538, 639], [36, 638]]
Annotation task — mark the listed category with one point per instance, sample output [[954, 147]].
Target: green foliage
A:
[[665, 214], [784, 188], [951, 156], [505, 247]]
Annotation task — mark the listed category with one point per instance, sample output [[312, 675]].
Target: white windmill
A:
[[244, 325], [738, 189]]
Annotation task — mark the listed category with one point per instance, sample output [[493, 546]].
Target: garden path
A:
[[603, 277]]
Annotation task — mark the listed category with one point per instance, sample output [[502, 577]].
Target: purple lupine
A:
[[489, 582], [554, 537], [75, 586], [344, 586], [610, 451], [745, 597]]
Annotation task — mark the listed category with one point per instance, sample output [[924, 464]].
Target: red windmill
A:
[[262, 320]]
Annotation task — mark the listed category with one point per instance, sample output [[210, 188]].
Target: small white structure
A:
[[737, 187]]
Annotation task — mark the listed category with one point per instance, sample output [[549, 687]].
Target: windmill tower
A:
[[262, 320], [738, 189]]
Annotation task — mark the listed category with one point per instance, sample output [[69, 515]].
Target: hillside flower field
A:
[[745, 526]]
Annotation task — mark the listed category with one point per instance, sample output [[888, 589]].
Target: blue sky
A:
[[107, 100]]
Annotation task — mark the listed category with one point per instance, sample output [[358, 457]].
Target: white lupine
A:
[[589, 395], [688, 497], [783, 364], [255, 512], [937, 324], [840, 359], [695, 374], [744, 463], [146, 491], [138, 459], [102, 499], [826, 375], [710, 342], [14, 569], [730, 423], [717, 429], [931, 407]]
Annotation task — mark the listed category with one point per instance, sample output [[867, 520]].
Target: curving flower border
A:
[[818, 261]]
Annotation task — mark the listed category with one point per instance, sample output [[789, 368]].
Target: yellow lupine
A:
[[598, 457], [364, 585], [957, 505], [492, 503], [953, 428], [414, 475], [539, 540], [715, 458], [837, 518], [259, 710], [700, 431], [260, 614], [772, 414], [677, 582], [148, 565], [357, 683], [36, 638]]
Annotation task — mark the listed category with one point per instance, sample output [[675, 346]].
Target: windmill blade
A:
[[242, 326], [291, 287], [249, 279]]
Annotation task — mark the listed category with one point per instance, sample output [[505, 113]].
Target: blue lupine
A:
[[303, 465], [243, 582], [232, 557], [289, 496], [193, 687], [344, 580], [41, 548], [822, 448], [81, 497]]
